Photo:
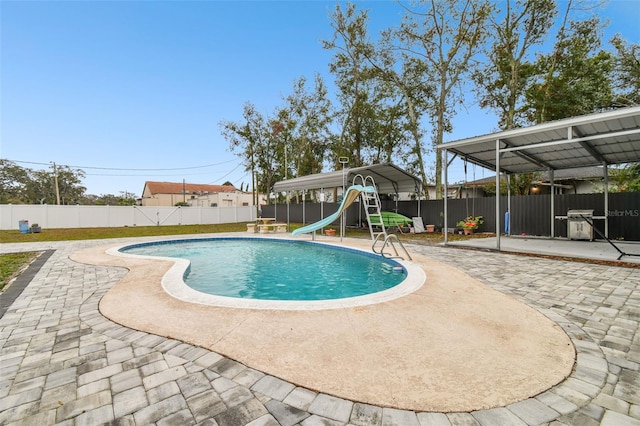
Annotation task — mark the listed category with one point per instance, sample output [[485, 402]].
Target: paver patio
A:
[[62, 362]]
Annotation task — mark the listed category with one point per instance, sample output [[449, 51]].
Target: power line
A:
[[145, 175], [124, 169], [241, 179], [236, 168]]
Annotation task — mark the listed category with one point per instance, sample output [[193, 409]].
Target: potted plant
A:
[[330, 232], [470, 224]]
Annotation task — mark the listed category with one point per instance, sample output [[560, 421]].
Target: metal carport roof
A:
[[603, 138], [389, 179], [606, 138]]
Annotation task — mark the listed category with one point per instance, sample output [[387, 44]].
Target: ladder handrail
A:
[[371, 200], [375, 242], [389, 241]]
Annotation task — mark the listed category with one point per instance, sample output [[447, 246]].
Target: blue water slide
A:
[[353, 192]]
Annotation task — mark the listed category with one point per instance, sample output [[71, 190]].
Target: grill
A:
[[579, 225]]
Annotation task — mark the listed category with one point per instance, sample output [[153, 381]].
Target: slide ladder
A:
[[371, 205], [373, 212]]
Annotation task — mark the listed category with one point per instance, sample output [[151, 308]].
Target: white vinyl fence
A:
[[53, 216]]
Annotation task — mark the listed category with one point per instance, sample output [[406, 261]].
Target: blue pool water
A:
[[266, 269]]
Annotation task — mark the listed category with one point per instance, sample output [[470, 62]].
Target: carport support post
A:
[[286, 195], [498, 194], [508, 225], [446, 197], [552, 208], [322, 203], [419, 191], [606, 198]]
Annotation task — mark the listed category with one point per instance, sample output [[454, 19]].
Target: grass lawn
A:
[[11, 264], [70, 234]]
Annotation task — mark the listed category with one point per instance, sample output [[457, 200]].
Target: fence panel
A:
[[530, 214], [189, 215], [10, 216], [624, 215], [227, 214], [54, 216], [113, 216], [91, 218]]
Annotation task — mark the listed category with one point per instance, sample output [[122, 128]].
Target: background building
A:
[[193, 194]]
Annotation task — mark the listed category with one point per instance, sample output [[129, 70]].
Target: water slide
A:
[[353, 192]]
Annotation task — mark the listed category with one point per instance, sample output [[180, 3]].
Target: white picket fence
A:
[[53, 216]]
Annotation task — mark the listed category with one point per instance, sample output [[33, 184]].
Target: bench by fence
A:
[[266, 228]]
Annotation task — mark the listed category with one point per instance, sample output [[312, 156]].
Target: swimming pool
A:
[[268, 273]]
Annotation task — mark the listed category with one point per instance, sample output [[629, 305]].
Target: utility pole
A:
[[55, 180]]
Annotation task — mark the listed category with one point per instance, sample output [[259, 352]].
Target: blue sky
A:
[[142, 86]]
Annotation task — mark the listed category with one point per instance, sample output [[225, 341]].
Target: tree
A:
[[353, 78], [626, 72], [27, 186], [574, 79], [125, 199], [441, 39], [291, 141], [383, 116], [13, 182], [412, 91], [41, 188], [627, 178], [501, 82], [520, 184], [390, 134], [304, 126], [254, 142]]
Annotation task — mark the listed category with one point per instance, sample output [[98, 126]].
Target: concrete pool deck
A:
[[420, 340], [62, 360]]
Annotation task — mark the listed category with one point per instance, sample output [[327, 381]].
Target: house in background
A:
[[583, 180], [194, 194]]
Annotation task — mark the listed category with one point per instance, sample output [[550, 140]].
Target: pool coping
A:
[[173, 283]]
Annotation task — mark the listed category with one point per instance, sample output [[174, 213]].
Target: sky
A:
[[131, 91]]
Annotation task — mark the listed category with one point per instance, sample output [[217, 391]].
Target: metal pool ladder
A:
[[389, 242], [372, 209]]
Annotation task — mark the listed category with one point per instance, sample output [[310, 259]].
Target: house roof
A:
[[188, 188], [580, 173], [611, 137], [389, 179]]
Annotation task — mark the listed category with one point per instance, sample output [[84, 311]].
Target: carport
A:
[[601, 139], [389, 179]]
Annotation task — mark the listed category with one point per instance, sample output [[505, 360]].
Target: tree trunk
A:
[[439, 137], [416, 137]]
